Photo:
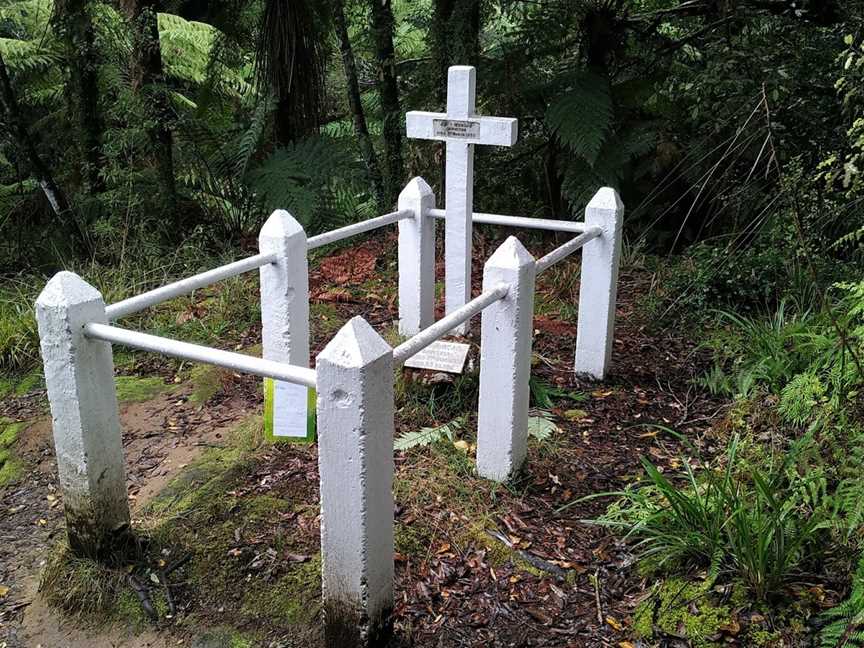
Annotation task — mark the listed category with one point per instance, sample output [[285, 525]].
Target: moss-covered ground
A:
[[231, 552], [11, 467]]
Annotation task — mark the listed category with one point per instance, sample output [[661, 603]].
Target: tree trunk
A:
[[353, 87], [455, 39], [388, 89], [289, 60], [73, 23], [24, 142], [148, 80]]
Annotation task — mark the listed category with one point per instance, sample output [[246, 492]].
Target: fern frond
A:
[[846, 627], [582, 116]]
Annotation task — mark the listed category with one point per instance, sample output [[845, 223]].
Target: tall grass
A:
[[750, 522], [209, 315]]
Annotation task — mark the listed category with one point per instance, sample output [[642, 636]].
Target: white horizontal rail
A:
[[519, 221], [358, 228], [446, 324], [186, 286], [556, 255], [198, 353]]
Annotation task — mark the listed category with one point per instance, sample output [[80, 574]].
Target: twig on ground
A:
[[169, 595], [595, 579], [531, 559], [143, 595]]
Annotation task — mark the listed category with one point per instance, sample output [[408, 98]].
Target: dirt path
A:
[[458, 581], [161, 436]]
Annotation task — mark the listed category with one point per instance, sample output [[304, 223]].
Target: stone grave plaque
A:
[[448, 357]]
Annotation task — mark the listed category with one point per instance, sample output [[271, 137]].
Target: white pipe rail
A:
[[519, 221], [560, 253], [357, 228], [446, 324], [186, 286], [193, 283], [197, 353]]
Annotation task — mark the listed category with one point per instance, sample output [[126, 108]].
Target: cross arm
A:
[[495, 131]]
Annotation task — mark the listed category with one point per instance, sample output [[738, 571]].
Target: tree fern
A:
[[298, 177], [582, 116]]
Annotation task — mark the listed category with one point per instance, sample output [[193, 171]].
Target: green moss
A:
[[679, 607], [135, 389], [200, 484], [643, 619], [80, 587], [293, 599], [11, 468], [206, 383], [7, 386], [10, 432], [28, 383], [412, 540], [765, 639], [225, 638]]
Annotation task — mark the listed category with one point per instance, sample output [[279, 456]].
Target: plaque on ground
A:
[[440, 356]]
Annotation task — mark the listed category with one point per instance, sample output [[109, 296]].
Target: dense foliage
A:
[[139, 139]]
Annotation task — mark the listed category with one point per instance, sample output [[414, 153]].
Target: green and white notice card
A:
[[289, 412]]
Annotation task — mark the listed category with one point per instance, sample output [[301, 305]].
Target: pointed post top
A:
[[606, 199], [281, 225], [355, 345], [67, 289], [510, 254], [416, 188]]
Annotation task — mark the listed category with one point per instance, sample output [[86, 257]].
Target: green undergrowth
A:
[[232, 546], [11, 467], [691, 611], [136, 389], [207, 380]]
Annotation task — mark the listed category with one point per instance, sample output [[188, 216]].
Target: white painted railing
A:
[[562, 252], [353, 378], [522, 222], [203, 354], [443, 326], [358, 228], [186, 286]]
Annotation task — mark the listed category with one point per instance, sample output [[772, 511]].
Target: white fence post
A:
[[599, 285], [79, 374], [416, 259], [505, 363], [285, 321], [355, 461]]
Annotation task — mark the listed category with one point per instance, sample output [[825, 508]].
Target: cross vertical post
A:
[[461, 129], [459, 194]]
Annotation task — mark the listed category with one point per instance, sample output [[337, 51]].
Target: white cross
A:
[[461, 129]]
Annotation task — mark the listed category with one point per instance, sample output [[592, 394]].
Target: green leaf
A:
[[427, 435], [542, 427], [582, 116]]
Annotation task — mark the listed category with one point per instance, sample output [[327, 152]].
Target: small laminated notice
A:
[[289, 411], [456, 128]]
